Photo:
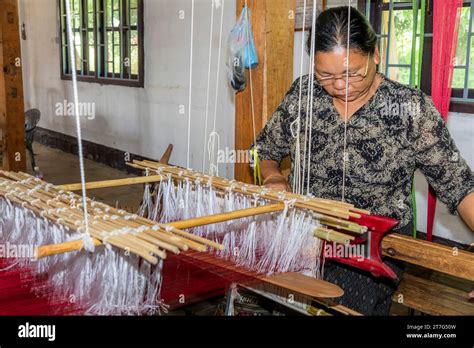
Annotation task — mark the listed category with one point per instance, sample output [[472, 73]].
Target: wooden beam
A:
[[430, 255], [324, 5], [432, 298], [12, 118], [273, 23]]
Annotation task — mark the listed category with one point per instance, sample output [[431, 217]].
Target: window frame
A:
[[391, 7], [375, 9], [458, 95], [100, 48]]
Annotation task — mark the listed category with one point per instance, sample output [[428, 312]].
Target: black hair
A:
[[331, 31]]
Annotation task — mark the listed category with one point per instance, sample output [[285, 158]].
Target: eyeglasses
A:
[[352, 78]]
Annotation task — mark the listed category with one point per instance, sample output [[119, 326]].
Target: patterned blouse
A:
[[396, 132]]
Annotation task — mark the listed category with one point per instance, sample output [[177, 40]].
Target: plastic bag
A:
[[241, 51]]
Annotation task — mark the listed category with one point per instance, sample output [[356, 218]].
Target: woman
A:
[[391, 130]]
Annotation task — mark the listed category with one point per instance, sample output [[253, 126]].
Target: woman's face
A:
[[330, 68]]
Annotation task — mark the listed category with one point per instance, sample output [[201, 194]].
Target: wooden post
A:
[[12, 117], [273, 24]]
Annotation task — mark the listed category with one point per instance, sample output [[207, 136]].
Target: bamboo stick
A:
[[332, 236], [113, 183], [165, 236], [35, 199], [324, 206], [339, 217], [331, 212], [45, 250]]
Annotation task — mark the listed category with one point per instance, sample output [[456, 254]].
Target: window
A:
[[463, 78], [399, 37], [395, 25], [108, 41]]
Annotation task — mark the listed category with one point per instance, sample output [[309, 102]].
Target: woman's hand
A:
[[277, 182], [272, 176]]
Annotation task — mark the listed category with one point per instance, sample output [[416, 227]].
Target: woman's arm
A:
[[466, 210], [272, 176], [441, 162], [274, 141]]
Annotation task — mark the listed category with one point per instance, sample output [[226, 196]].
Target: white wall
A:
[[461, 127], [138, 120]]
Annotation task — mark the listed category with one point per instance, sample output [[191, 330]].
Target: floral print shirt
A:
[[396, 132]]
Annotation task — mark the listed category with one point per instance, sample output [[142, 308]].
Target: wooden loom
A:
[[151, 240], [341, 223], [156, 240], [141, 236], [426, 254]]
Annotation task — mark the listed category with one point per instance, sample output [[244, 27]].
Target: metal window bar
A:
[[64, 43], [125, 39], [117, 32], [91, 32], [113, 36], [468, 56], [85, 37], [415, 36], [114, 33], [106, 39], [129, 40], [101, 33], [389, 33], [96, 38], [81, 32], [122, 39]]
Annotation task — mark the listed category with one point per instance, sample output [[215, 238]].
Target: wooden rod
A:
[[112, 183], [332, 236], [237, 214], [327, 207], [48, 250]]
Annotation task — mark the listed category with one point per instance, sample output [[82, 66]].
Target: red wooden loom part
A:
[[372, 262]]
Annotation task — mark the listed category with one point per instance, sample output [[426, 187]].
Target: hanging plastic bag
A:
[[250, 51], [241, 51]]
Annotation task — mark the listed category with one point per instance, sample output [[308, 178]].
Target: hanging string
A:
[[190, 85], [208, 85], [87, 240], [308, 187], [256, 169], [297, 179], [346, 106], [250, 77], [309, 104], [214, 136]]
